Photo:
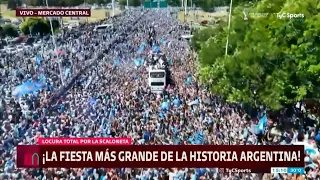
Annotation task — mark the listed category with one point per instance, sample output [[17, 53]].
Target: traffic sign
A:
[[155, 4]]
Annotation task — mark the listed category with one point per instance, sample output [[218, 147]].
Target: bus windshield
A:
[[157, 74], [187, 37], [157, 83]]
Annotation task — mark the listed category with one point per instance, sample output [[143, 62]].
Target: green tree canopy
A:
[[10, 31], [2, 35], [98, 1], [35, 26], [270, 61], [131, 2], [13, 4], [203, 34], [64, 2], [175, 3]]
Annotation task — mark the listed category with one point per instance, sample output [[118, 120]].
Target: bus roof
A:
[[105, 25], [156, 70], [186, 36]]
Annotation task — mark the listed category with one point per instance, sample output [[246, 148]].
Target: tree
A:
[[202, 35], [63, 3], [135, 3], [205, 5], [10, 31], [2, 35], [174, 3], [122, 2], [131, 3], [209, 5], [34, 2], [13, 4], [98, 2], [36, 26], [55, 23], [271, 61], [70, 2]]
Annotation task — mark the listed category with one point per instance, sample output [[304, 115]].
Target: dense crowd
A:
[[99, 91]]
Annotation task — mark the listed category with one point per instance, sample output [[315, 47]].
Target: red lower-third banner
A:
[[255, 158]]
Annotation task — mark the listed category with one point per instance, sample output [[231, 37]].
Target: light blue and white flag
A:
[[38, 60], [139, 62], [67, 72]]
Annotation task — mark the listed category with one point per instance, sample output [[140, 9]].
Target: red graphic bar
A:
[[255, 158], [53, 12], [84, 141]]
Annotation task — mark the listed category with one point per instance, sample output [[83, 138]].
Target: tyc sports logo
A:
[[290, 16], [31, 160]]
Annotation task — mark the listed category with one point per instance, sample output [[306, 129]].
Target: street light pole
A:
[[194, 12], [84, 4], [127, 4], [55, 46], [112, 8], [185, 7], [229, 24]]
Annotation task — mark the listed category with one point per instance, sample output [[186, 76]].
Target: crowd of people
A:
[[93, 88]]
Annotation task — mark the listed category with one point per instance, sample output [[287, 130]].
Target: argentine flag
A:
[[38, 60], [199, 137], [263, 121]]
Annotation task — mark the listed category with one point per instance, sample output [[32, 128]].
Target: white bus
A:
[[187, 37], [157, 80], [103, 26]]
